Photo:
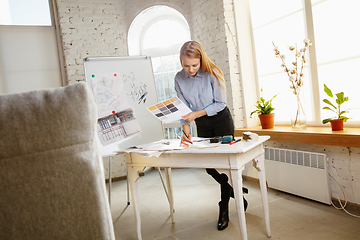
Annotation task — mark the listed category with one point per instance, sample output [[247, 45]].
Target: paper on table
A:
[[157, 148], [169, 110], [163, 145]]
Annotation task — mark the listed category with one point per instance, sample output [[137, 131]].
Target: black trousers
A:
[[216, 126]]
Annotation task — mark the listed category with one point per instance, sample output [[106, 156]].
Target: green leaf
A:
[[342, 112], [263, 107], [326, 120], [253, 112], [262, 100], [340, 98], [327, 108], [345, 118], [273, 97], [328, 102], [328, 91]]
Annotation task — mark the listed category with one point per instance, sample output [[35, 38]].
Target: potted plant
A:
[[337, 122], [264, 111]]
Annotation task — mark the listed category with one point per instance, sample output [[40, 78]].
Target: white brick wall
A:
[[214, 27], [90, 28], [234, 90], [99, 28]]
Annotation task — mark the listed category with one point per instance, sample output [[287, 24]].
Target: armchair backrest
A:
[[52, 183]]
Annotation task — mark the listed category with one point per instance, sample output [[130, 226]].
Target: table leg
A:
[[236, 178], [170, 192], [163, 183], [132, 171], [260, 167]]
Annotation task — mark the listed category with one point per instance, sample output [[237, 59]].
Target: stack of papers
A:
[[157, 148]]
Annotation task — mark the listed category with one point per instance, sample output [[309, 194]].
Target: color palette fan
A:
[[169, 110]]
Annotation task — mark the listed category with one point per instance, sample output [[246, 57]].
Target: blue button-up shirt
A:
[[200, 92]]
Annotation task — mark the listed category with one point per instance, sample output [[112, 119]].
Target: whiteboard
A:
[[133, 79]]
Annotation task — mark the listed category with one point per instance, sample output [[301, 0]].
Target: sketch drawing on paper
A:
[[116, 119], [137, 91], [117, 126]]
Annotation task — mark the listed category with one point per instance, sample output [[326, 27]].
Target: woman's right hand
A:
[[185, 141]]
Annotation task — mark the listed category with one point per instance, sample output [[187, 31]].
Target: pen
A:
[[235, 141], [186, 136]]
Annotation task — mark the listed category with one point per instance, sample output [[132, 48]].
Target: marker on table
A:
[[233, 142], [186, 136]]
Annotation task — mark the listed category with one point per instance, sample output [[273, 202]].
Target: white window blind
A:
[[25, 12], [28, 59]]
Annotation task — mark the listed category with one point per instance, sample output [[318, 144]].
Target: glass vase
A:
[[298, 118]]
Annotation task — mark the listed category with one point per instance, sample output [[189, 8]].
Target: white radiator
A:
[[297, 172]]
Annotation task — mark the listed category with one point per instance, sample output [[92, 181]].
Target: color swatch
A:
[[169, 110]]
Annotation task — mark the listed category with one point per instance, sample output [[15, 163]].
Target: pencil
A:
[[186, 135]]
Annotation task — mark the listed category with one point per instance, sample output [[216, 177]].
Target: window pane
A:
[[159, 86], [165, 69], [336, 25], [169, 62], [156, 64], [281, 22], [341, 77], [284, 32], [25, 12], [337, 51], [165, 33], [265, 11]]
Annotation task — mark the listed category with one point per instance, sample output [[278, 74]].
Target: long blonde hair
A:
[[193, 49]]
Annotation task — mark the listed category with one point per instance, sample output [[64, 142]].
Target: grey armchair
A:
[[52, 182]]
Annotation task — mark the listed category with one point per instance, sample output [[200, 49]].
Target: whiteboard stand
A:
[[110, 179], [133, 73], [133, 85]]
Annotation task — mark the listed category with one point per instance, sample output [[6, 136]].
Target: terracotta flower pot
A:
[[267, 120], [337, 124]]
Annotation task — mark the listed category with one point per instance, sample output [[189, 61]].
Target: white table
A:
[[229, 159]]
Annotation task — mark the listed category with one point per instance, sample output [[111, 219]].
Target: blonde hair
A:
[[193, 49]]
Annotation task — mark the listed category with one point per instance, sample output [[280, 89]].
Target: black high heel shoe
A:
[[223, 221]]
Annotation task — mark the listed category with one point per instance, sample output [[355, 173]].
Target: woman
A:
[[201, 86]]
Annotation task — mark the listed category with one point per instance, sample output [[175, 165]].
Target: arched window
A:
[[159, 32]]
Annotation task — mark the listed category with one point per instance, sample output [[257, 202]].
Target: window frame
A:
[[251, 91]]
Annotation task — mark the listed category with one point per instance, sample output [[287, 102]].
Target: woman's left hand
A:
[[194, 115]]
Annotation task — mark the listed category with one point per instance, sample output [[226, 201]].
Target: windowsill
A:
[[349, 137]]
